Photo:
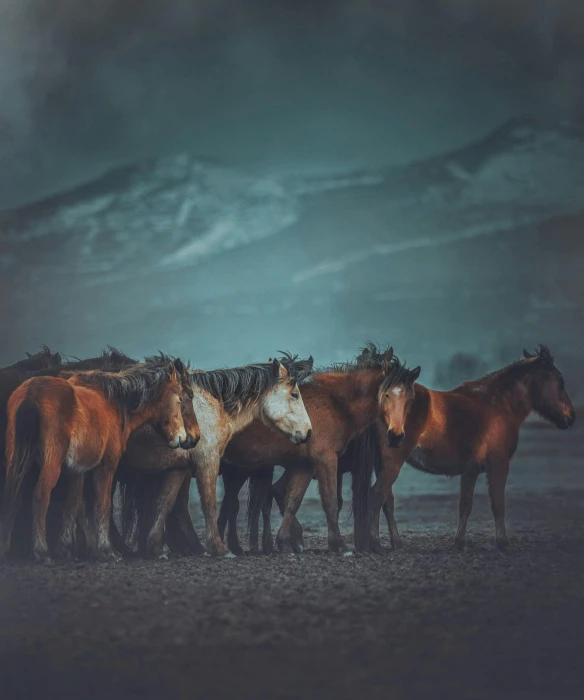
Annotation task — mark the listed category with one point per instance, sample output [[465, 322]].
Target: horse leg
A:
[[74, 498], [267, 538], [48, 477], [207, 472], [260, 485], [164, 504], [326, 467], [467, 486], [382, 497], [299, 482], [497, 479], [233, 481], [180, 513], [103, 477], [279, 490], [389, 510]]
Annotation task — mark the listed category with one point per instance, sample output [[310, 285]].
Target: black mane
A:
[[132, 388], [399, 374], [509, 375], [45, 358], [110, 360], [371, 357], [240, 387]]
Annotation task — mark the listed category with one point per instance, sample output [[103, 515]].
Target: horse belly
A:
[[436, 461]]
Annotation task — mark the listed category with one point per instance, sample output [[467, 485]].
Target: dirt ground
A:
[[424, 621]]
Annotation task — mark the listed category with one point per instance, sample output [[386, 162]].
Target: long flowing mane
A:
[[241, 387], [131, 388]]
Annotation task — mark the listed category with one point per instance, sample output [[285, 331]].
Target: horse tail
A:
[[22, 455], [364, 455], [22, 447]]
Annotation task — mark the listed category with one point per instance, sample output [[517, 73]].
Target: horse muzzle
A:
[[189, 442], [568, 421], [395, 439]]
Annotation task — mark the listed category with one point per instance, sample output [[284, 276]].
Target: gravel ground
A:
[[425, 621]]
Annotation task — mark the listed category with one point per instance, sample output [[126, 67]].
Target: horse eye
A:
[[295, 395]]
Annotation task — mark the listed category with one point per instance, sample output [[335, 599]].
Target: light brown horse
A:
[[342, 401], [225, 401], [470, 430], [83, 423]]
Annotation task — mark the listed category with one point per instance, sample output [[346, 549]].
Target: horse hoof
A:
[[230, 555], [503, 545], [460, 544], [285, 548], [348, 553], [396, 543], [163, 556]]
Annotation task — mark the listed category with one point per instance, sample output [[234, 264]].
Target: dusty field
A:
[[425, 621]]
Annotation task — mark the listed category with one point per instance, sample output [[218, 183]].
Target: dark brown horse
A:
[[13, 376], [225, 401], [342, 401], [82, 423], [470, 430]]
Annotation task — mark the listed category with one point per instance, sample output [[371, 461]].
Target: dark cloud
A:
[[89, 85]]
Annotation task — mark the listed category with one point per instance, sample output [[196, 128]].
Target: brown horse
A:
[[342, 401], [470, 430], [83, 423], [44, 364], [225, 402], [358, 458]]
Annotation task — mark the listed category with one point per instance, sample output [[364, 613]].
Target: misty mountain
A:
[[474, 250]]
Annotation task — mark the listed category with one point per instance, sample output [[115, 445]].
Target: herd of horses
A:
[[100, 453]]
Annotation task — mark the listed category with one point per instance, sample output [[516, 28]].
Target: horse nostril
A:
[[393, 439], [308, 435]]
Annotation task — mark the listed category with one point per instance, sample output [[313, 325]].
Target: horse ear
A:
[[28, 355], [57, 358], [280, 370], [388, 355], [415, 373], [172, 375], [178, 365], [546, 355], [527, 355]]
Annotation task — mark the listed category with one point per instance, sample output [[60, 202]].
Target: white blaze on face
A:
[[287, 413], [398, 391]]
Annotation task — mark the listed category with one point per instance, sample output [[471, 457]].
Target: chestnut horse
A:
[[356, 456], [470, 430], [83, 422], [342, 401], [225, 402], [45, 364]]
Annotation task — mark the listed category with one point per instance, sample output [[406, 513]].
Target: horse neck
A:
[[137, 419], [244, 417], [357, 391], [516, 391]]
